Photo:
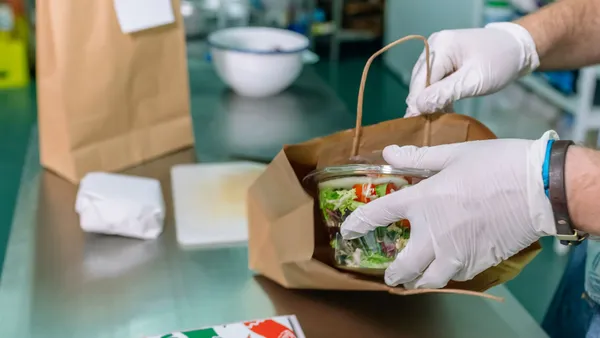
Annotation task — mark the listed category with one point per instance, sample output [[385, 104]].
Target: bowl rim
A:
[[216, 45], [340, 171]]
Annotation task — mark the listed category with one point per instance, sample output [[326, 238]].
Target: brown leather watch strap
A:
[[558, 194]]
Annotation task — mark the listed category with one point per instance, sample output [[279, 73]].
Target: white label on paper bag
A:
[[137, 15], [7, 20]]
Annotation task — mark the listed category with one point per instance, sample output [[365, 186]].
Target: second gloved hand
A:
[[470, 62], [486, 204]]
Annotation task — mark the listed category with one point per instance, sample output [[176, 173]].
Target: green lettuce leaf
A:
[[375, 260], [381, 189], [342, 200]]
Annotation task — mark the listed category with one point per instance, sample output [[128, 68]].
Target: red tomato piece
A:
[[391, 187], [405, 223], [365, 193]]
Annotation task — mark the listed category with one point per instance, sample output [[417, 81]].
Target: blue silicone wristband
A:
[[546, 168]]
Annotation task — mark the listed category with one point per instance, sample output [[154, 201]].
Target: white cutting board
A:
[[210, 203]]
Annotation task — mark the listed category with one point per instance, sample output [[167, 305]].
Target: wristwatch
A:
[[557, 192]]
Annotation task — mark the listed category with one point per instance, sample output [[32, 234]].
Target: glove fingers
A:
[[378, 213], [469, 273], [417, 84], [429, 158], [411, 261], [458, 85], [436, 276], [441, 65]]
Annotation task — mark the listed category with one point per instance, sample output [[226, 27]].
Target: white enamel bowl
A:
[[257, 61]]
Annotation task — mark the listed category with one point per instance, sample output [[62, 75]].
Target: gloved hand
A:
[[470, 62], [486, 204]]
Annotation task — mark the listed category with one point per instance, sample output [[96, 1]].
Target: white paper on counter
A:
[[137, 15], [115, 204]]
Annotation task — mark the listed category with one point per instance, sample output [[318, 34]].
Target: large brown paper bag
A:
[[107, 100], [288, 241]]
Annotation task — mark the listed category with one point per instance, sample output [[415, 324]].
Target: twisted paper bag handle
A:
[[363, 80], [426, 141]]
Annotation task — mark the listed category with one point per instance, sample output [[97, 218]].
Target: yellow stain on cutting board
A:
[[226, 195]]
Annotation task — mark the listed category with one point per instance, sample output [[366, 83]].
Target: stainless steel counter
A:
[[60, 282], [228, 125]]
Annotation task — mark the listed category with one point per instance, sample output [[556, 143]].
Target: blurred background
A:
[[342, 35]]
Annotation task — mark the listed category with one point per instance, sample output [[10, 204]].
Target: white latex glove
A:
[[486, 204], [470, 62]]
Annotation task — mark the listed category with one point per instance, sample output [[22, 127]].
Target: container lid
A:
[[329, 173]]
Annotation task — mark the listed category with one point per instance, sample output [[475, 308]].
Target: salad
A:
[[338, 198]]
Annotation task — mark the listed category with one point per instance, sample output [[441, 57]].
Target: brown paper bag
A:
[[107, 100], [288, 241]]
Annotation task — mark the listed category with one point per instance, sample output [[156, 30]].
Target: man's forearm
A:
[[582, 174], [566, 33]]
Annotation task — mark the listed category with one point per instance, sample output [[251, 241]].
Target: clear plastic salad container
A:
[[343, 189]]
